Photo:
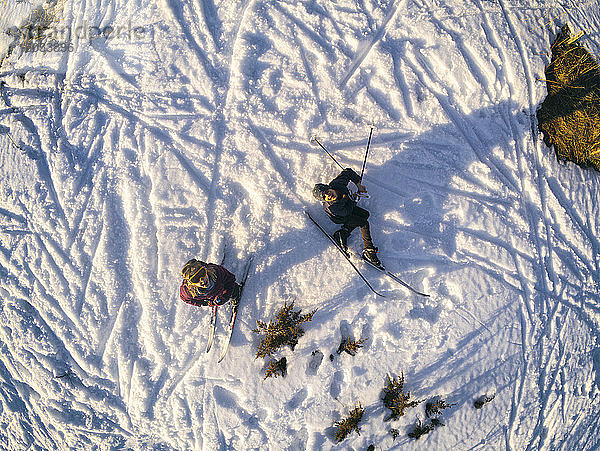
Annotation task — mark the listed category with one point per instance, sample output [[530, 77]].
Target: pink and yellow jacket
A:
[[218, 292]]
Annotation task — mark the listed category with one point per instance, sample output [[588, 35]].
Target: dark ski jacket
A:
[[341, 208], [221, 290]]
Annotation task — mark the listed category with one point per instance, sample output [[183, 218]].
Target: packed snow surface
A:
[[174, 129]]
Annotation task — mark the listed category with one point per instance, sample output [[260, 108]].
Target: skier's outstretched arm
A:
[[342, 180]]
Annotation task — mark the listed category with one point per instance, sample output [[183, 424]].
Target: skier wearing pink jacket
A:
[[207, 284]]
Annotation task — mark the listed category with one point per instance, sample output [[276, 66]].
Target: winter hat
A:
[[319, 190], [194, 270]]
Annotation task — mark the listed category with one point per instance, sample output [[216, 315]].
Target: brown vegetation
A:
[[283, 330], [276, 368], [570, 115], [395, 399], [350, 346], [349, 424]]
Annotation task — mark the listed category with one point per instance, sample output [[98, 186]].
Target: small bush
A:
[[421, 429], [276, 368], [435, 407], [350, 346], [349, 424], [395, 399], [570, 115], [284, 330]]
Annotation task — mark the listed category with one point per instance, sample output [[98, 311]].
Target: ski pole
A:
[[364, 164], [314, 138], [366, 154]]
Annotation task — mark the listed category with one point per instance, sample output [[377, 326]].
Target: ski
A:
[[234, 310], [213, 317], [344, 253], [393, 277], [212, 327]]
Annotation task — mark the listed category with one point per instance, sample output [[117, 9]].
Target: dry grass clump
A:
[[421, 429], [395, 398], [276, 368], [436, 406], [284, 330], [349, 424], [570, 116], [350, 346]]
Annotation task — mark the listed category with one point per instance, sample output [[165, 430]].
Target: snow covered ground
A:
[[183, 131]]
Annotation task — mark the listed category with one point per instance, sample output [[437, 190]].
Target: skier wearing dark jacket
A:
[[341, 208], [207, 284]]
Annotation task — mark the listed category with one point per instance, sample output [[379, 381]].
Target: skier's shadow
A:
[[410, 222]]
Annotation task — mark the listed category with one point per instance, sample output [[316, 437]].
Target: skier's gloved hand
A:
[[361, 188]]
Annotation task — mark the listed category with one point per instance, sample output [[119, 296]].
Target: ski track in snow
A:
[[123, 159]]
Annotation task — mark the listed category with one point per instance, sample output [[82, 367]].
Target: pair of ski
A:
[[378, 268], [232, 317]]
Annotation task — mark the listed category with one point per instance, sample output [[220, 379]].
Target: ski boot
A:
[[341, 239], [370, 255]]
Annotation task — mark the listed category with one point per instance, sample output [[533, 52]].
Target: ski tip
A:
[[223, 354]]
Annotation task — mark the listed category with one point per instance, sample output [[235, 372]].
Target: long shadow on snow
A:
[[408, 218], [407, 192]]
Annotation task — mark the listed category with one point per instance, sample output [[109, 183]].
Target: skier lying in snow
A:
[[342, 209], [207, 284]]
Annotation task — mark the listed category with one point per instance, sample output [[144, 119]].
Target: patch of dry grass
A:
[[570, 115]]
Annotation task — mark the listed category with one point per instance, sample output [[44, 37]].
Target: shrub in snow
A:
[[395, 399], [276, 368], [349, 424], [350, 346], [435, 407], [570, 114], [421, 429], [283, 330]]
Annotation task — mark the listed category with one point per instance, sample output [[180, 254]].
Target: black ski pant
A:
[[357, 218], [234, 296]]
